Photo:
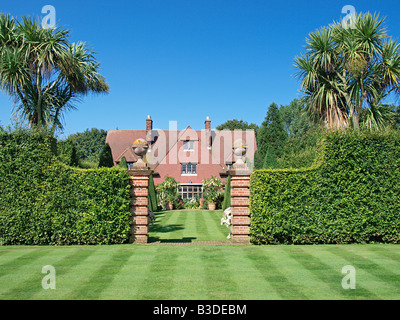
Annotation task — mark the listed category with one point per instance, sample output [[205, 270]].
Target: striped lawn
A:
[[187, 226], [200, 271]]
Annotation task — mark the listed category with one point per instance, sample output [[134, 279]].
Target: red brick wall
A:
[[139, 201]]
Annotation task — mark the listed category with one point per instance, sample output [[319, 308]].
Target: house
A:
[[189, 155]]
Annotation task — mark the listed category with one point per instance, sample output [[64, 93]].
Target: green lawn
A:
[[198, 272], [188, 226]]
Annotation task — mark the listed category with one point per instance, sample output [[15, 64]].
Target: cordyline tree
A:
[[348, 71], [44, 72]]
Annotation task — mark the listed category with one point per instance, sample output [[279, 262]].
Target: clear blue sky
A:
[[184, 60]]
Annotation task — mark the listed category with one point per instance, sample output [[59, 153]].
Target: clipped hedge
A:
[[351, 196], [43, 201]]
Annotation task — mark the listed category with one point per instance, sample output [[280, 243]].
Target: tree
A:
[[106, 159], [89, 143], [258, 160], [152, 205], [295, 119], [122, 164], [270, 159], [45, 73], [272, 133], [237, 125], [347, 73], [227, 194], [67, 153]]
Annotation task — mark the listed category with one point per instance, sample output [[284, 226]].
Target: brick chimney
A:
[[207, 125], [149, 128]]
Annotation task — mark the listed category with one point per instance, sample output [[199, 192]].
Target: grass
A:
[[198, 272], [187, 226]]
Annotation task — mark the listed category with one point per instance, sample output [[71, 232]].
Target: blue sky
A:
[[184, 60]]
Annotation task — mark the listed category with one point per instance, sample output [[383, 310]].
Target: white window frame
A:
[[192, 165], [188, 145], [188, 191]]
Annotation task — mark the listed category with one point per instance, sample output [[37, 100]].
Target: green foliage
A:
[[122, 164], [227, 194], [190, 203], [237, 125], [351, 195], [167, 191], [67, 153], [152, 195], [258, 160], [347, 74], [105, 158], [89, 143], [44, 202], [270, 159], [87, 164], [212, 189], [44, 72], [295, 119], [300, 150], [272, 133]]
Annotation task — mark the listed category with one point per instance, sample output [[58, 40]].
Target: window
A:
[[188, 145], [189, 168], [191, 191]]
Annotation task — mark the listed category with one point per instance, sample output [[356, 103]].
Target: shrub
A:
[[67, 153], [152, 195], [227, 194], [191, 204], [123, 164], [167, 191], [105, 158], [351, 195], [46, 202], [212, 189]]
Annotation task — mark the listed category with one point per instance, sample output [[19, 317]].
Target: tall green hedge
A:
[[43, 201], [351, 196], [152, 195], [227, 194]]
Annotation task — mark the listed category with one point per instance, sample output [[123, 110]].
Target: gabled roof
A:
[[129, 155], [164, 141], [188, 134], [121, 140]]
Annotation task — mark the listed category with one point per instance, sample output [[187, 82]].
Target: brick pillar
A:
[[139, 179], [240, 193]]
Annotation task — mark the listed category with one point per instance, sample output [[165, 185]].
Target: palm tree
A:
[[45, 73], [346, 74]]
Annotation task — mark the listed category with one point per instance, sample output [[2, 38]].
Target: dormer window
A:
[[189, 169], [188, 145]]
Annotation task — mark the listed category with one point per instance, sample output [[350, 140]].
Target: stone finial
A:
[[140, 147], [239, 150]]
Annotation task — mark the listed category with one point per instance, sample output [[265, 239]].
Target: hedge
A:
[[351, 195], [44, 202]]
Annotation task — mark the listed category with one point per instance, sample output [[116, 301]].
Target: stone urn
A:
[[140, 147], [239, 150]]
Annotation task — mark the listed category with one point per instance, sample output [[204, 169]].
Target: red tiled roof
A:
[[167, 152]]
